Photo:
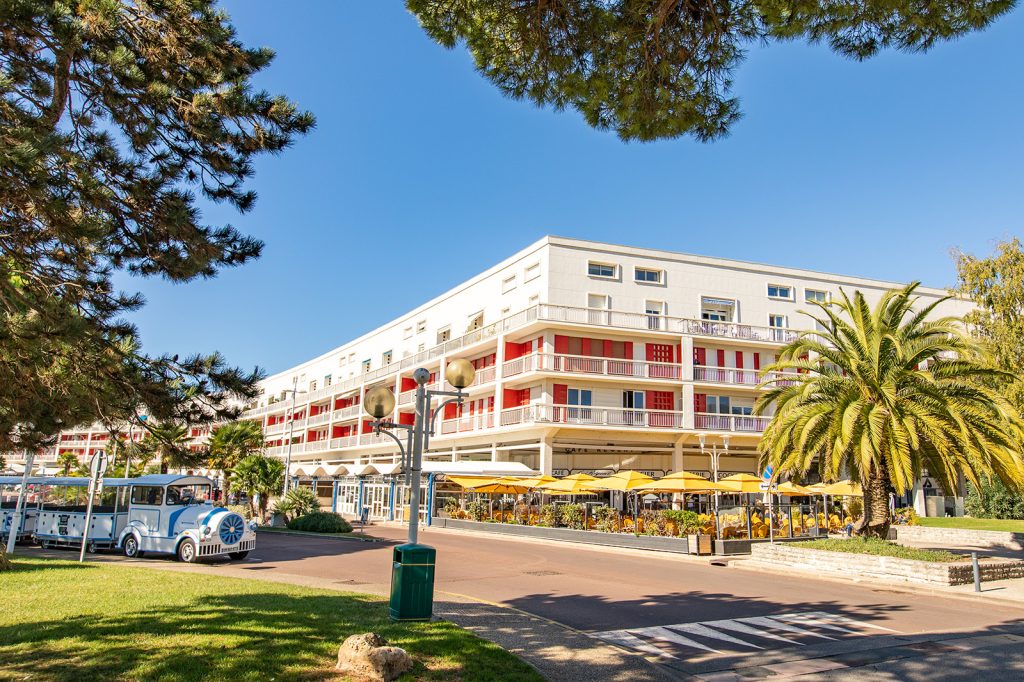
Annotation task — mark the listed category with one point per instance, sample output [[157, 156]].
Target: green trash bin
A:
[[412, 582]]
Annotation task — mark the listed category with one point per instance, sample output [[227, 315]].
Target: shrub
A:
[[877, 547], [991, 500], [243, 510], [320, 522], [478, 510], [5, 563], [906, 516], [548, 516], [688, 522], [654, 522], [450, 505], [607, 519], [572, 516], [298, 501], [855, 508]]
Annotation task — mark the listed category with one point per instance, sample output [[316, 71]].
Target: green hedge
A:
[[320, 522], [993, 501], [878, 547]]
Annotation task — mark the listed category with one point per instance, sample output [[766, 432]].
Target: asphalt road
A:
[[686, 614]]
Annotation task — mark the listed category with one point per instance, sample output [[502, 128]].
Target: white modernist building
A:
[[590, 357]]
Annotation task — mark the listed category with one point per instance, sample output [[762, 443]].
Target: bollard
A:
[[977, 572]]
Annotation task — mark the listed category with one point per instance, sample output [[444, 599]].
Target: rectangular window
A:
[[420, 348], [147, 495], [777, 321], [508, 284], [533, 300], [366, 366], [815, 296], [605, 270], [327, 380], [312, 385], [717, 309], [531, 272], [712, 404], [780, 291], [421, 326], [600, 301], [647, 275], [444, 334], [633, 400], [654, 310], [582, 398], [475, 321], [506, 310], [407, 333], [385, 358]]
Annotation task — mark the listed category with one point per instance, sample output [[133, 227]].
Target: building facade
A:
[[589, 357]]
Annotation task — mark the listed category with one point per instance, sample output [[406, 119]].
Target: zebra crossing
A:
[[733, 636]]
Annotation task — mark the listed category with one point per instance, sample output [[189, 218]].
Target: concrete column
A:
[[677, 454], [686, 357], [687, 406], [546, 455]]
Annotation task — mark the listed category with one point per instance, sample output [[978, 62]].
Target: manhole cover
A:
[[541, 573]]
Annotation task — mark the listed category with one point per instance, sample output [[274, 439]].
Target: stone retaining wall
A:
[[590, 537], [959, 537], [887, 569]]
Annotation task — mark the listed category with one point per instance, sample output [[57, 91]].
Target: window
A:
[[508, 284], [475, 321], [780, 291], [351, 357], [717, 309], [778, 324], [578, 397], [633, 400], [600, 301], [385, 358], [606, 270], [719, 404], [531, 272], [312, 385], [421, 326], [533, 300], [654, 311], [647, 275], [506, 310], [407, 333], [420, 348], [444, 334], [187, 494], [147, 495], [327, 380], [815, 296], [366, 366]]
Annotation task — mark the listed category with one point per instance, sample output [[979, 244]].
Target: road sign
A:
[[98, 465], [766, 477]]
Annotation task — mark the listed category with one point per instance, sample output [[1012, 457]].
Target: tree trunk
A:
[[876, 519]]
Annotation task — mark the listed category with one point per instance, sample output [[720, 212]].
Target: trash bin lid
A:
[[415, 554]]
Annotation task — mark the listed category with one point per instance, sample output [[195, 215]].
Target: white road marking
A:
[[666, 635], [747, 630], [703, 630], [769, 623], [844, 619], [630, 641]]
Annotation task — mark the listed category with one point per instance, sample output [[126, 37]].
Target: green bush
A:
[[298, 501], [688, 522], [450, 505], [991, 500], [654, 522], [320, 522], [478, 510], [548, 516], [606, 518], [877, 547], [572, 516], [906, 516]]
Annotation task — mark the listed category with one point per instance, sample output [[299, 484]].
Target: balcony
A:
[[730, 422], [469, 422], [321, 418], [590, 365], [344, 442], [407, 397], [592, 416], [739, 377], [279, 427]]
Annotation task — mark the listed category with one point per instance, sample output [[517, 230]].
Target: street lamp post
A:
[[412, 579], [291, 432]]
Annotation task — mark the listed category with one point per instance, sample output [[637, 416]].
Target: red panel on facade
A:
[[513, 350], [700, 402], [561, 394], [408, 384], [700, 356], [757, 361], [367, 427], [585, 347], [451, 410], [406, 418], [659, 352], [661, 400], [561, 343], [739, 359], [721, 358]]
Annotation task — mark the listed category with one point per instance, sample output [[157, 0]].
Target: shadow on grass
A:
[[214, 632]]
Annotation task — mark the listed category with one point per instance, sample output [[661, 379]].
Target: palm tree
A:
[[880, 394], [169, 442], [67, 462], [258, 475], [231, 443]]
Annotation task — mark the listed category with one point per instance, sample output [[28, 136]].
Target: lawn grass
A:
[[878, 548], [67, 621], [1009, 525]]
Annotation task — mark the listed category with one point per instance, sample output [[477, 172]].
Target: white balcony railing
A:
[[344, 442], [469, 422], [738, 377], [592, 416], [321, 418], [275, 428], [585, 364], [406, 397], [730, 422]]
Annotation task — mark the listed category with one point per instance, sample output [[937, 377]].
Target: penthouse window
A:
[[815, 296], [780, 291], [508, 284], [647, 275], [717, 309], [444, 334], [366, 366], [385, 358], [603, 270], [421, 326], [531, 272]]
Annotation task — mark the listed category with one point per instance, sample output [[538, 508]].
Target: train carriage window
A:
[[147, 494], [187, 494]]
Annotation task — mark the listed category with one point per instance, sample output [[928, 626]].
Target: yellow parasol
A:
[[845, 488], [470, 482], [792, 489], [503, 486], [621, 481], [536, 481], [694, 484], [742, 483], [577, 484], [685, 474]]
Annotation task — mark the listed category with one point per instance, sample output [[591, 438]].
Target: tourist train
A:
[[154, 514]]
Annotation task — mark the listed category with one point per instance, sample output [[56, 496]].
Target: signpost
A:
[[97, 467], [19, 509]]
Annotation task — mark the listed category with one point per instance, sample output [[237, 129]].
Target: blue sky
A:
[[421, 174]]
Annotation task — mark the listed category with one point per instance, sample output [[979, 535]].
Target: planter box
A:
[[886, 569], [743, 545], [958, 537], [589, 537]]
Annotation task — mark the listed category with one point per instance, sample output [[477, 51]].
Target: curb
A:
[[322, 536]]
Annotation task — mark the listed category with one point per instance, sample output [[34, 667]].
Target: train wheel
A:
[[130, 547], [187, 551], [238, 556]]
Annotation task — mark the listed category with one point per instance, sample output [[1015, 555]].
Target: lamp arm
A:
[[457, 397]]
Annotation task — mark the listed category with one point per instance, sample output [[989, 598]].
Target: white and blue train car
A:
[[156, 514], [10, 487]]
